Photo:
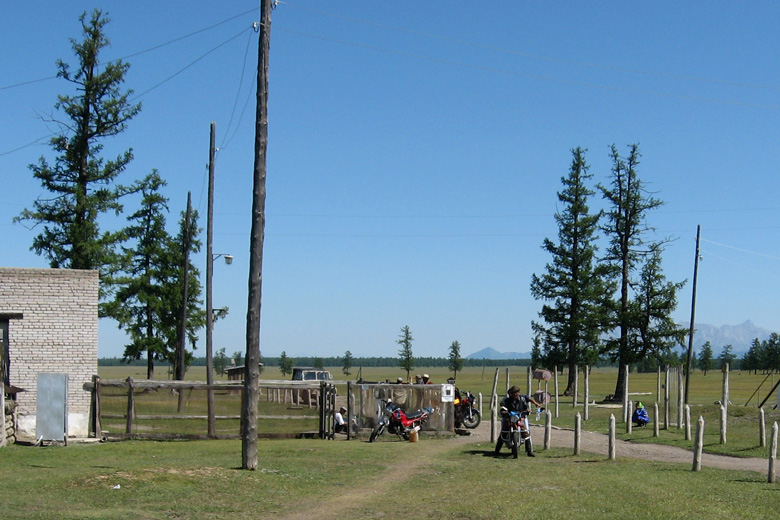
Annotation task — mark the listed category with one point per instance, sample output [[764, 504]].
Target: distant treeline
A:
[[337, 362]]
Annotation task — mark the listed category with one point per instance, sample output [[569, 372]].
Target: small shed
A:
[[236, 372]]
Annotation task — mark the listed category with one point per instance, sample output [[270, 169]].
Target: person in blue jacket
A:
[[640, 416]]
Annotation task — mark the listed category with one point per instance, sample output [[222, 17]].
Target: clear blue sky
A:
[[416, 149]]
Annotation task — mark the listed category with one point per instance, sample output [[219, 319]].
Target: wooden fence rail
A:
[[300, 393]]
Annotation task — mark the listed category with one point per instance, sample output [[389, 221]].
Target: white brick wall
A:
[[57, 334]]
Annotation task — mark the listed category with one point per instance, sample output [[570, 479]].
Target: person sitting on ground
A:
[[339, 423], [640, 416], [515, 402]]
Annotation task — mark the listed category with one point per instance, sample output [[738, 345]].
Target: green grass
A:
[[201, 479]]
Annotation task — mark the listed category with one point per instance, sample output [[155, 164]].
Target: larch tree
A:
[[405, 354], [626, 228], [455, 362], [575, 286], [83, 185], [140, 304]]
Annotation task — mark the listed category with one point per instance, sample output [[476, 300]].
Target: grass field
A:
[[435, 478]]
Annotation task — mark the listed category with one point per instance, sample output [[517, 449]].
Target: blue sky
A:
[[416, 149]]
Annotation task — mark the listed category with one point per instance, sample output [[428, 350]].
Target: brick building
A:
[[49, 324]]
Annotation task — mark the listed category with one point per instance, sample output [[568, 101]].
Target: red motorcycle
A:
[[397, 421]]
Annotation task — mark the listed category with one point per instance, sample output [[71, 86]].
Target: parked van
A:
[[310, 374]]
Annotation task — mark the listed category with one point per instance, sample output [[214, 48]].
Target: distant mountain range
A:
[[738, 336]]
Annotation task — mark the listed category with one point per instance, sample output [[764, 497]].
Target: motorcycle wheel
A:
[[376, 432], [515, 442], [473, 421]]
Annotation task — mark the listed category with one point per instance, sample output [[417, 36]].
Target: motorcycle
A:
[[397, 421], [466, 413], [516, 435]]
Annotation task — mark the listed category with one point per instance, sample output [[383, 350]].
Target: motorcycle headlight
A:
[[456, 401]]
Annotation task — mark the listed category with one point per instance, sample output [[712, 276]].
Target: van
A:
[[310, 374]]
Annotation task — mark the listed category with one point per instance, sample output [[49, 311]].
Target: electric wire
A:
[[187, 66], [238, 93]]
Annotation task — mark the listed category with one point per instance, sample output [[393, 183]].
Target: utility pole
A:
[[212, 430], [693, 316], [257, 235]]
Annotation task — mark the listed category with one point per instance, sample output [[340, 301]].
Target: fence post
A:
[[626, 418], [680, 395], [547, 429], [761, 428], [722, 424], [656, 421], [96, 410], [586, 412], [687, 422], [131, 405], [772, 478], [577, 433], [725, 398], [350, 406], [611, 436], [556, 390], [576, 385], [666, 398], [629, 412], [698, 444], [529, 377]]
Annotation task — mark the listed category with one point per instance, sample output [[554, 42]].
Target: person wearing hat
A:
[[640, 416], [426, 380], [516, 402], [339, 423]]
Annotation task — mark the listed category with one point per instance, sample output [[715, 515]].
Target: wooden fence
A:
[[289, 401]]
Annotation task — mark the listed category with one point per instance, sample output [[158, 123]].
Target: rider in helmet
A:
[[517, 402]]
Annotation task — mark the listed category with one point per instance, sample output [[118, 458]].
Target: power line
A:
[[188, 66]]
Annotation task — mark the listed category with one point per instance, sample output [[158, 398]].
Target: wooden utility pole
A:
[[689, 363], [257, 234], [212, 429]]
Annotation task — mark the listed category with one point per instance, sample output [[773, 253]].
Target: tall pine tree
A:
[[575, 286], [140, 304], [81, 183], [625, 228]]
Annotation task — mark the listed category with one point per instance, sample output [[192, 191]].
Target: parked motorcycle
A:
[[397, 421], [516, 435], [466, 413]]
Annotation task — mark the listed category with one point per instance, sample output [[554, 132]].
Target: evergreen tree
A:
[[82, 184], [771, 354], [455, 361], [347, 365], [238, 357], [574, 284], [407, 357], [655, 301], [625, 226], [220, 361], [752, 358], [180, 266], [727, 356], [285, 364], [140, 303], [705, 358]]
